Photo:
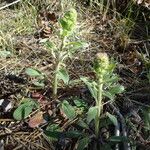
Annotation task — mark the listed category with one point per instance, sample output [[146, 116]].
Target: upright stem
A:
[[57, 67], [99, 105], [55, 81]]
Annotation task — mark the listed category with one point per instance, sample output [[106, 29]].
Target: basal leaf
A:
[[22, 112], [51, 131], [68, 110], [24, 109]]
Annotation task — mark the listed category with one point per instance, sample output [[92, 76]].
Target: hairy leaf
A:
[[91, 114], [112, 118], [68, 110], [91, 86], [63, 75], [24, 109], [68, 22], [32, 72]]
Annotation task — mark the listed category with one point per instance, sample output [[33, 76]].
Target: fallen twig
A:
[[10, 4]]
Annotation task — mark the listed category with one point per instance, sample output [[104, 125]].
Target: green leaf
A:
[[68, 110], [91, 86], [111, 79], [53, 134], [53, 128], [91, 114], [30, 101], [39, 84], [109, 95], [117, 139], [75, 82], [73, 134], [113, 91], [146, 117], [83, 143], [24, 110], [117, 89], [68, 22], [63, 75], [76, 45], [80, 103], [5, 54], [57, 134], [112, 118], [32, 72], [51, 131], [82, 124]]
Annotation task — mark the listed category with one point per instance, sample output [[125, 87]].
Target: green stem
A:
[[57, 67], [99, 105], [55, 84]]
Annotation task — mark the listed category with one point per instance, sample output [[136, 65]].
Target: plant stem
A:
[[55, 84], [99, 105], [57, 67]]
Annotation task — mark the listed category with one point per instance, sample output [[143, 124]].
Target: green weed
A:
[[64, 49], [105, 86]]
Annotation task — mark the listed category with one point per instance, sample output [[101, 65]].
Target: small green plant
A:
[[105, 86], [64, 49], [68, 23]]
